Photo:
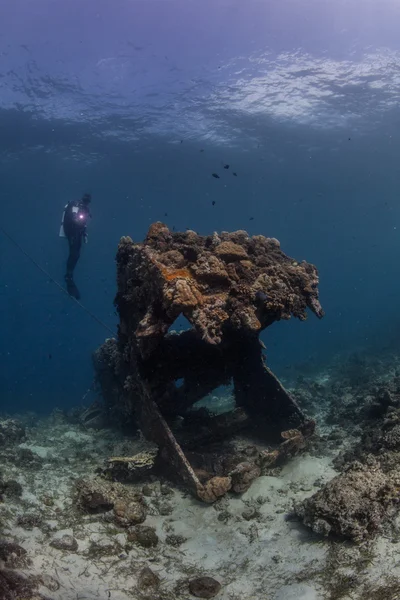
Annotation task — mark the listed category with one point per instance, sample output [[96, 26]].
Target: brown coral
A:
[[352, 505], [96, 494], [229, 251], [214, 488], [127, 514], [243, 476], [173, 273]]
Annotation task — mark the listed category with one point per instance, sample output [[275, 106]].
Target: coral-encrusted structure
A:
[[230, 287], [222, 284]]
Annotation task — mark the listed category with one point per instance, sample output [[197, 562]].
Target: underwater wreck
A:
[[229, 287]]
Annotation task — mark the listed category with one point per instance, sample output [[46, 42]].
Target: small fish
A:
[[226, 166], [213, 202], [202, 150], [216, 175], [165, 214], [251, 219], [235, 174], [50, 356]]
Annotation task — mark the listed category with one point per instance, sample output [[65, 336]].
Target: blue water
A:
[[300, 98]]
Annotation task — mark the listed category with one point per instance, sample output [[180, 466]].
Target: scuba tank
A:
[[62, 232], [75, 211]]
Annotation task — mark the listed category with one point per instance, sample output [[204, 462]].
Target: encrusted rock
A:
[[14, 585], [11, 488], [65, 542], [99, 495], [148, 579], [165, 509], [26, 458], [391, 439], [94, 494], [353, 505], [144, 536], [148, 490], [204, 587], [11, 432], [12, 554], [17, 586], [127, 514], [166, 490]]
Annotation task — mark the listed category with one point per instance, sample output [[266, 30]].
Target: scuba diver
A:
[[74, 228]]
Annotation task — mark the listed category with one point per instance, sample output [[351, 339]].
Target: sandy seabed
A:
[[249, 543]]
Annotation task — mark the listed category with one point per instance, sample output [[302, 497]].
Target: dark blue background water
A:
[[100, 99]]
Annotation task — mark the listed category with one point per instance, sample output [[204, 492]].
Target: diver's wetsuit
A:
[[74, 224]]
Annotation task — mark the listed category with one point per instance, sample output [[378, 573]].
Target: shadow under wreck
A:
[[229, 287]]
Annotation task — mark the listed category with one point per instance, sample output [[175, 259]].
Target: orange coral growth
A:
[[177, 274], [171, 274]]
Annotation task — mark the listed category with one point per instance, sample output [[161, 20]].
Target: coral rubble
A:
[[11, 431], [365, 496], [353, 504], [14, 584]]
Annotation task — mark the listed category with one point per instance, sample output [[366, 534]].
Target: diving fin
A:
[[71, 288]]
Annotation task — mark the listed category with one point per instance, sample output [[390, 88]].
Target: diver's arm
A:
[[85, 233]]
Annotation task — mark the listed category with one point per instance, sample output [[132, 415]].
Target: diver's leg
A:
[[75, 244]]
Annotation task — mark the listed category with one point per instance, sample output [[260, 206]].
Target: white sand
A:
[[265, 558]]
